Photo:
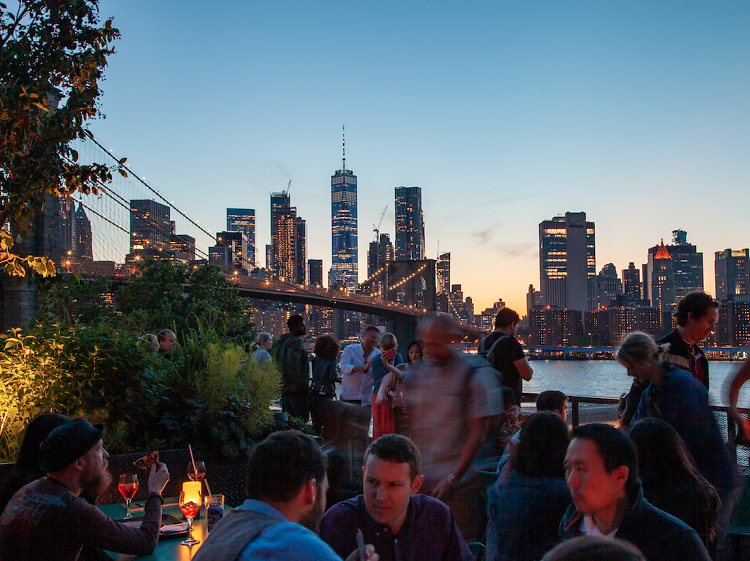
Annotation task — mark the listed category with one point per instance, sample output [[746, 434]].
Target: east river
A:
[[607, 378]]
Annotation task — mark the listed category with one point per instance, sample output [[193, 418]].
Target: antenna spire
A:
[[343, 147]]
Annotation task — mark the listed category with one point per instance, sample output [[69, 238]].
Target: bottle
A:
[[214, 510]]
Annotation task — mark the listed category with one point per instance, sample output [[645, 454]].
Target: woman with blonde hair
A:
[[259, 349]]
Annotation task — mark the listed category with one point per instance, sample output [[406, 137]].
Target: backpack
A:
[[489, 355]]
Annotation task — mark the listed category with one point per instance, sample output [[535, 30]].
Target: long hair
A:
[[670, 478], [541, 450], [262, 338]]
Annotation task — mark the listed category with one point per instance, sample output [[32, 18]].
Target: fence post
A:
[[574, 404]]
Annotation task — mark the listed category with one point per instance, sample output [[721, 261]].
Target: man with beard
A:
[[47, 519], [286, 499]]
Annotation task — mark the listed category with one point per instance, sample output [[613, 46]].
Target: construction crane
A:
[[376, 229], [288, 187]]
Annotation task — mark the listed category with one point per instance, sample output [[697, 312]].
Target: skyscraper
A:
[[410, 244], [732, 270], [236, 243], [84, 243], [285, 246], [344, 252], [315, 272], [150, 229], [631, 280], [379, 254], [278, 201], [300, 255], [661, 285], [567, 258], [443, 272], [243, 220]]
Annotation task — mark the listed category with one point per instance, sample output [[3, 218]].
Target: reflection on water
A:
[[607, 378]]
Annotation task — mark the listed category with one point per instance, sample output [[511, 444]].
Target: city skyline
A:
[[505, 114]]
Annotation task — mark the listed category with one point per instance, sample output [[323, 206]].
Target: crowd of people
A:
[[451, 463]]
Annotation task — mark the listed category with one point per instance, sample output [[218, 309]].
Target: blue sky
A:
[[505, 113]]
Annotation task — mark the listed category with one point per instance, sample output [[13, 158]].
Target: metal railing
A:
[[588, 409]]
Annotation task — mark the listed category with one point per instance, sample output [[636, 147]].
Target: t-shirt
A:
[[506, 353], [44, 520]]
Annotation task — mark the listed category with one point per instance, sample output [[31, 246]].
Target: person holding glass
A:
[[47, 519]]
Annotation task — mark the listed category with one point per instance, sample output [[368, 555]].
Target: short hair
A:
[[506, 317], [397, 449], [162, 335], [444, 323], [542, 446], [371, 328], [551, 400], [281, 465], [697, 303], [327, 347], [390, 340], [594, 548], [295, 320], [615, 448]]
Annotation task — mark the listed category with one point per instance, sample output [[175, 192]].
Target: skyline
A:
[[504, 114]]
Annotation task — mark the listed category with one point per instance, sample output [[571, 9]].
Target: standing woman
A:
[[325, 375], [259, 349]]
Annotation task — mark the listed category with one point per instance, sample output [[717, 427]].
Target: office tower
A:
[[344, 252], [661, 283], [236, 243], [732, 270], [631, 280], [243, 220], [222, 257], [373, 258], [269, 257], [733, 329], [534, 299], [410, 244], [687, 264], [443, 272], [67, 230], [567, 258], [84, 242], [604, 287], [554, 327], [183, 247], [486, 320], [380, 252], [285, 246], [315, 272], [300, 254], [150, 226], [278, 202]]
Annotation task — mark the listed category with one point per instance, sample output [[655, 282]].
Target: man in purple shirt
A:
[[399, 523]]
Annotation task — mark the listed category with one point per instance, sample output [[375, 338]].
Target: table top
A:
[[168, 549]]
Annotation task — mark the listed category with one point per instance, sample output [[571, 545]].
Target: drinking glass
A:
[[190, 509], [197, 474], [128, 486]]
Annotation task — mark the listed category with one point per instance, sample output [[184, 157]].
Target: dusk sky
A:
[[505, 113]]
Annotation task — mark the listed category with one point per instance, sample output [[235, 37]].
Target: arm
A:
[[347, 363], [740, 377], [524, 368], [475, 440]]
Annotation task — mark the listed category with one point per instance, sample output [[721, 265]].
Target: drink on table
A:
[[197, 473], [190, 505], [128, 487], [214, 510]]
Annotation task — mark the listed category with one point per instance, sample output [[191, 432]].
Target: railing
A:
[[588, 409]]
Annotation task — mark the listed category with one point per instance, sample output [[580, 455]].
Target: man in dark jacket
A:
[[295, 372], [601, 469]]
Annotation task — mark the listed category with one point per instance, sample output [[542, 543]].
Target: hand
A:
[[158, 478], [367, 365], [369, 554], [443, 489]]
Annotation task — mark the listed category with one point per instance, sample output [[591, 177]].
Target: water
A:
[[607, 378]]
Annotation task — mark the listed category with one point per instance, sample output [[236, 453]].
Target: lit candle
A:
[[192, 490]]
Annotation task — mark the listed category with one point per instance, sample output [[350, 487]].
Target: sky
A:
[[505, 113]]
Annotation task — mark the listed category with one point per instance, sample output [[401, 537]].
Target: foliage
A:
[[102, 373], [156, 299], [16, 266], [69, 300], [52, 57]]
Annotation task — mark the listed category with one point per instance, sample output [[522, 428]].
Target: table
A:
[[168, 549]]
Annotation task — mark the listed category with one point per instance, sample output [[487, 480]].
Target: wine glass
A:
[[190, 509], [128, 486], [197, 474]]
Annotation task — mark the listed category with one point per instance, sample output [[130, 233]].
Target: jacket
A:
[[659, 536], [292, 358]]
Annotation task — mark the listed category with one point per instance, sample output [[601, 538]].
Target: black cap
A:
[[67, 443]]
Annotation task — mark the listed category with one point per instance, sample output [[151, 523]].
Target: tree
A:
[[66, 299], [52, 57]]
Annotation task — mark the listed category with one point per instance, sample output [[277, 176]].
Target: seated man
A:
[[47, 519], [400, 523], [601, 469], [286, 490]]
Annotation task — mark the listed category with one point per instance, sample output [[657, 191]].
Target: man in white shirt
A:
[[356, 368]]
